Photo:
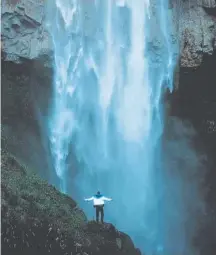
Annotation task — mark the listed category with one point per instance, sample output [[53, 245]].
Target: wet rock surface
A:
[[26, 90], [195, 101], [198, 32], [23, 31]]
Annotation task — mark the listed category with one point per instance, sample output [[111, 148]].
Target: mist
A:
[[184, 191], [107, 131]]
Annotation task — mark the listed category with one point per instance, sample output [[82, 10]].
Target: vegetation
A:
[[37, 218]]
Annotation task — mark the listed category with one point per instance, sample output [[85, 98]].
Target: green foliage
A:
[[24, 193], [36, 210]]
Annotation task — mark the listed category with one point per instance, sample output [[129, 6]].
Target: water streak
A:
[[113, 62]]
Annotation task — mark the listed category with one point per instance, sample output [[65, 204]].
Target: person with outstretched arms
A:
[[98, 202]]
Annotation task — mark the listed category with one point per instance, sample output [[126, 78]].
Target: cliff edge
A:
[[38, 219]]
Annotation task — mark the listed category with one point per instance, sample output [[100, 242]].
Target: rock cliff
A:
[[23, 31], [26, 86], [24, 34], [38, 219], [198, 31]]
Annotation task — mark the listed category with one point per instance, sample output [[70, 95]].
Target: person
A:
[[98, 202]]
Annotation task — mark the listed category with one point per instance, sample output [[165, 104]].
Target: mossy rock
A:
[[38, 219], [23, 189]]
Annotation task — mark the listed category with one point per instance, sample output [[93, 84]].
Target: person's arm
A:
[[107, 199], [89, 199]]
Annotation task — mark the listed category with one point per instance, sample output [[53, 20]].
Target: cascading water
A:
[[113, 61]]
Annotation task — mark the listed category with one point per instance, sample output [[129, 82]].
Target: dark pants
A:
[[99, 211]]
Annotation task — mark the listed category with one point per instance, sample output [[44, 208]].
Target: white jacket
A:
[[98, 200]]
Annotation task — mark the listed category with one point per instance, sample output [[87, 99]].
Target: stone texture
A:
[[198, 33], [24, 34], [208, 3], [23, 30]]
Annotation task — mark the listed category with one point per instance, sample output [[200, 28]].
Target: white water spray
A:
[[107, 107]]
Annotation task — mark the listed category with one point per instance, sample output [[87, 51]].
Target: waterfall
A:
[[113, 61]]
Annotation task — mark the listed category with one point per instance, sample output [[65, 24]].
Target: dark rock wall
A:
[[26, 90], [195, 101]]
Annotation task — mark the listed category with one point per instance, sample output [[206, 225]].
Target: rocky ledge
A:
[[38, 219]]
